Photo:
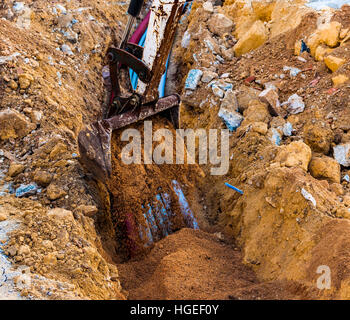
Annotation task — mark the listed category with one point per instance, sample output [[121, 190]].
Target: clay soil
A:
[[66, 241]]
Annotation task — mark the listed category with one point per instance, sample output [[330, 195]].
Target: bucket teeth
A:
[[95, 153]]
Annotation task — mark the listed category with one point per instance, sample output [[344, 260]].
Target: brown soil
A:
[[193, 264], [266, 244], [133, 186]]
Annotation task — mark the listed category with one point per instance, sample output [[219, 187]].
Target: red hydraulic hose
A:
[[135, 38]]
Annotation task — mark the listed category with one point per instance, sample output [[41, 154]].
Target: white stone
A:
[[341, 154]]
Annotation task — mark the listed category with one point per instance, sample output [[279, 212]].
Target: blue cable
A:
[[233, 187]]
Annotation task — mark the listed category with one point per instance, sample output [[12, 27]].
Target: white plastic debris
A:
[[287, 129], [186, 39], [208, 6], [193, 78], [293, 72], [18, 6], [106, 72], [295, 104], [275, 137], [308, 196], [324, 4], [66, 49], [341, 154]]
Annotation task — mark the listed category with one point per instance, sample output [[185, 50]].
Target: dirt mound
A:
[[192, 264]]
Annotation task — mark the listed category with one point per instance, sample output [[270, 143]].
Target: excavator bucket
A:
[[94, 140]]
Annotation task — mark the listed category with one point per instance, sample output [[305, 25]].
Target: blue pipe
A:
[[234, 188]]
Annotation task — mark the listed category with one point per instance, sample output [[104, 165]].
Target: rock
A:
[[252, 39], [343, 33], [3, 216], [270, 97], [228, 111], [58, 150], [321, 51], [295, 104], [231, 118], [47, 244], [193, 78], [337, 188], [211, 44], [23, 250], [318, 138], [25, 190], [61, 214], [333, 63], [230, 101], [322, 167], [42, 178], [339, 80], [217, 91], [14, 125], [54, 192], [88, 211], [25, 80], [245, 95], [256, 112], [64, 20], [228, 54], [208, 6], [222, 84], [114, 277], [297, 47], [208, 76], [12, 250], [13, 85], [329, 33], [343, 213], [295, 154], [50, 259], [15, 169], [219, 24], [341, 154], [259, 127], [36, 116]]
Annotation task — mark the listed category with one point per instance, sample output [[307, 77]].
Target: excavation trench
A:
[[143, 203], [187, 263]]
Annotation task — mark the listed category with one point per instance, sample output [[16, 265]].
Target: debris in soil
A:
[[275, 73]]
